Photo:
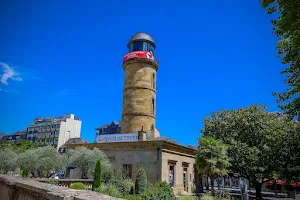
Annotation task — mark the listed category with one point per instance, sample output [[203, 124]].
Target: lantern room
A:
[[141, 42]]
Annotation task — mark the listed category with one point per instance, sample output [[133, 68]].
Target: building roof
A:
[[165, 145], [107, 125], [76, 141], [2, 135], [19, 133], [141, 36], [72, 141]]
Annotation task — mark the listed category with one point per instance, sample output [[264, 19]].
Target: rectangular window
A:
[[185, 179], [127, 169], [113, 130], [171, 176], [153, 81], [153, 106]]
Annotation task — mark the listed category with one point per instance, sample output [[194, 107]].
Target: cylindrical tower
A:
[[139, 94]]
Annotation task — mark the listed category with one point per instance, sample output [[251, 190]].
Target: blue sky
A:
[[61, 57]]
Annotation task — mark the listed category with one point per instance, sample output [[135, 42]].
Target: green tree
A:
[[86, 160], [27, 161], [250, 134], [44, 159], [141, 181], [18, 147], [212, 158], [287, 28], [8, 160], [49, 160], [286, 149], [97, 176]]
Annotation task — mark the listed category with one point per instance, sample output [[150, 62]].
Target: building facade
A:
[[15, 137], [53, 131], [139, 94], [161, 159]]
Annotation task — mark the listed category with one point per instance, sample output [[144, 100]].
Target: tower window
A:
[[153, 80], [152, 129], [153, 105]]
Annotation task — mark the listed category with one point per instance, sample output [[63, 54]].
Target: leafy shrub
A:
[[107, 175], [124, 186], [132, 197], [97, 176], [109, 189], [141, 181], [189, 198], [53, 182], [25, 173], [206, 196], [78, 186], [160, 190], [222, 194]]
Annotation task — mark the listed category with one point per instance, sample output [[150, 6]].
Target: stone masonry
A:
[[12, 188], [155, 157], [139, 96]]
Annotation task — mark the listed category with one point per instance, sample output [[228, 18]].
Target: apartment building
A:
[[54, 131]]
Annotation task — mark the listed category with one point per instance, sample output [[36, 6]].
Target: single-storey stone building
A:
[[161, 159]]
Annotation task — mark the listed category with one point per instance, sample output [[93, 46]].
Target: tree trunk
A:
[[207, 184], [219, 181], [257, 186], [212, 186], [275, 187], [198, 183]]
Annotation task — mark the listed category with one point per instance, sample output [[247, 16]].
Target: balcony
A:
[[140, 55]]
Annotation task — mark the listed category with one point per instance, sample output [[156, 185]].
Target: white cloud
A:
[[9, 73]]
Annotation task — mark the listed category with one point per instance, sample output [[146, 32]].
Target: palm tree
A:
[[212, 158]]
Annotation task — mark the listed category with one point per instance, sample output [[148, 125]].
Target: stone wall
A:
[[12, 188], [180, 162], [137, 154]]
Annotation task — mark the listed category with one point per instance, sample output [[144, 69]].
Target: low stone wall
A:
[[12, 188]]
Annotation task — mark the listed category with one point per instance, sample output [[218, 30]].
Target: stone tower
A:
[[139, 94]]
